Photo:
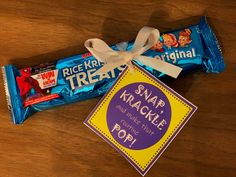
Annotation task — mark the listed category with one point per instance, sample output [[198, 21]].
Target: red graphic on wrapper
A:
[[40, 99], [86, 55], [46, 79], [26, 83], [40, 83]]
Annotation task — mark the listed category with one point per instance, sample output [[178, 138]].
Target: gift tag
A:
[[139, 116]]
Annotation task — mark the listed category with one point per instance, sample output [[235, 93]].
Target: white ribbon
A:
[[112, 59]]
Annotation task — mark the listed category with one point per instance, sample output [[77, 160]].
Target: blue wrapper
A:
[[68, 80]]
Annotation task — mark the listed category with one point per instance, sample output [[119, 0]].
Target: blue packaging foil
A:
[[68, 80]]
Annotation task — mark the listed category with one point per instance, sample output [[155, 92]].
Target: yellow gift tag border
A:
[[120, 146]]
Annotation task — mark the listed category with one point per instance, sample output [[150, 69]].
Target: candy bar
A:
[[72, 79]]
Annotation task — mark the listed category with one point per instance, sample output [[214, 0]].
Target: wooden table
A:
[[56, 142]]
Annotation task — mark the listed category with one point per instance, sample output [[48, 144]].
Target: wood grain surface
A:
[[55, 143]]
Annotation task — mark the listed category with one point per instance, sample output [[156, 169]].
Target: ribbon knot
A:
[[112, 59], [127, 57]]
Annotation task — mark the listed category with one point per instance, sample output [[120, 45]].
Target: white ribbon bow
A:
[[112, 59]]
